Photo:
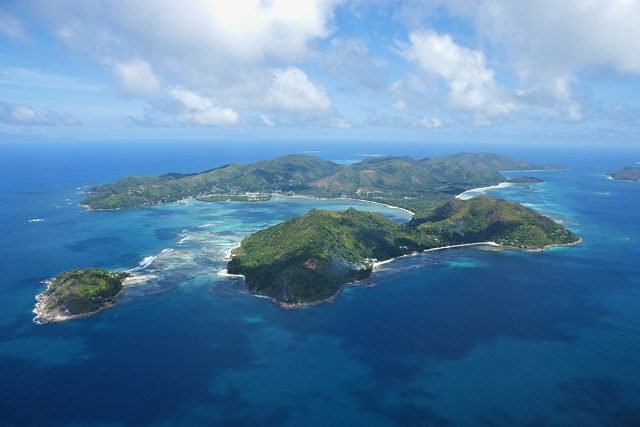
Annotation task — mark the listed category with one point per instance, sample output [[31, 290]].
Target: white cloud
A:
[[18, 114], [291, 90], [266, 120], [136, 77], [557, 37], [429, 123], [242, 51], [12, 28], [472, 85], [196, 109], [240, 30]]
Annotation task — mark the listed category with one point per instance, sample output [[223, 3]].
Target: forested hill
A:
[[399, 181], [491, 161], [629, 173], [308, 259]]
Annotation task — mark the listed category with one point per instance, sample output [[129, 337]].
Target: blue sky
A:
[[458, 70]]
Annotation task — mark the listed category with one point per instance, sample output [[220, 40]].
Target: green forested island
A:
[[78, 293], [308, 259], [629, 173], [398, 181], [525, 180]]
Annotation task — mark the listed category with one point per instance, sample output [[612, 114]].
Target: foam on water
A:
[[146, 262]]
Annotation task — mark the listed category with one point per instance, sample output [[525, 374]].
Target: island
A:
[[629, 173], [525, 180], [398, 181], [78, 293], [309, 259]]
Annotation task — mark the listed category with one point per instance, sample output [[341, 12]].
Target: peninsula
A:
[[629, 173], [78, 293], [309, 259]]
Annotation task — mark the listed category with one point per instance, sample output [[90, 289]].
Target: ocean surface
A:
[[467, 336]]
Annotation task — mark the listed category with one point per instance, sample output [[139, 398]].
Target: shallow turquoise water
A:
[[468, 336]]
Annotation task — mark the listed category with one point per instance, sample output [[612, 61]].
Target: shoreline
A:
[[225, 273], [462, 245], [490, 187], [42, 315], [332, 298], [89, 208], [342, 198]]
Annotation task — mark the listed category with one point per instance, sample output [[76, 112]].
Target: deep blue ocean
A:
[[468, 336]]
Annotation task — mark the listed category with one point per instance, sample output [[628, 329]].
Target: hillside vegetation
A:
[[78, 292], [629, 173], [308, 259], [399, 181]]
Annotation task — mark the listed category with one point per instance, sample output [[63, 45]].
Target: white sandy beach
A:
[[378, 264], [464, 195], [342, 198]]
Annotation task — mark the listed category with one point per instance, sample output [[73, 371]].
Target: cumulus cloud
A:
[[472, 85], [429, 123], [291, 90], [266, 120], [23, 115], [241, 51], [197, 109], [549, 36], [136, 77]]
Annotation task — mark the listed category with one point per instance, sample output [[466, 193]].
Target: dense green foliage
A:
[[491, 161], [309, 258], [629, 173], [525, 180], [399, 181], [83, 291], [486, 219], [285, 174]]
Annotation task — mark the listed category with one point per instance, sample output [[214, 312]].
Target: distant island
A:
[[398, 181], [78, 293], [309, 259], [629, 173], [525, 180]]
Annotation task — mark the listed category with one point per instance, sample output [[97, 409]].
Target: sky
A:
[[434, 70]]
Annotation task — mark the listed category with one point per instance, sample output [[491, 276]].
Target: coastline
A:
[[501, 185], [341, 198], [462, 245], [332, 298], [45, 316], [225, 273]]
